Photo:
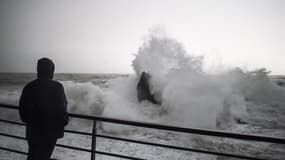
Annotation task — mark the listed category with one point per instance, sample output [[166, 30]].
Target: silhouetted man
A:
[[43, 107]]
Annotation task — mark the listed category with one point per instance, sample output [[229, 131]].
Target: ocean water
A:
[[266, 121], [235, 100]]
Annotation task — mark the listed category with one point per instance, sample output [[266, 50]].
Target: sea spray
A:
[[256, 86], [120, 101], [84, 98], [160, 55], [191, 97]]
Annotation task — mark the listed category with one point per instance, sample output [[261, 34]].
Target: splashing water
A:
[[189, 96]]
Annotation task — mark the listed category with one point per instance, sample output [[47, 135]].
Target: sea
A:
[[94, 94], [223, 98]]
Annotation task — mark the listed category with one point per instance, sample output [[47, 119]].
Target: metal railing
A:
[[94, 135]]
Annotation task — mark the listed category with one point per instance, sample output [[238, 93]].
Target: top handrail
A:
[[173, 128]]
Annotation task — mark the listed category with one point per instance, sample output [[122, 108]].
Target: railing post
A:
[[93, 144]]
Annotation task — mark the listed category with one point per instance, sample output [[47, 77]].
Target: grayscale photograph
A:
[[142, 80]]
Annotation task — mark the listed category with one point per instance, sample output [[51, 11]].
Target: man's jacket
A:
[[43, 107]]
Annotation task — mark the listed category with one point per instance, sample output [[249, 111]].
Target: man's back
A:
[[43, 107]]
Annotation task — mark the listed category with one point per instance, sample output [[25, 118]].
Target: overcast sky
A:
[[101, 36]]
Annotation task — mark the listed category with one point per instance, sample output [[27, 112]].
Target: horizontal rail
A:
[[180, 148], [16, 151], [75, 148], [13, 150], [144, 143], [153, 126], [12, 122], [175, 129], [134, 141], [117, 155], [77, 132], [19, 152], [68, 147], [12, 136], [68, 131]]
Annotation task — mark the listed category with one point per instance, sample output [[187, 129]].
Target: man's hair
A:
[[45, 68]]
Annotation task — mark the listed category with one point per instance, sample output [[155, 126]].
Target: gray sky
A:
[[101, 36]]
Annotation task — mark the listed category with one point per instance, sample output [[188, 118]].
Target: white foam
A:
[[84, 98], [190, 97]]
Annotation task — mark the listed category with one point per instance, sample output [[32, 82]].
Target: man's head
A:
[[45, 68]]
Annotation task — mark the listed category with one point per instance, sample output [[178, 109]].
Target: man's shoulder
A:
[[30, 84], [38, 82], [56, 83]]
